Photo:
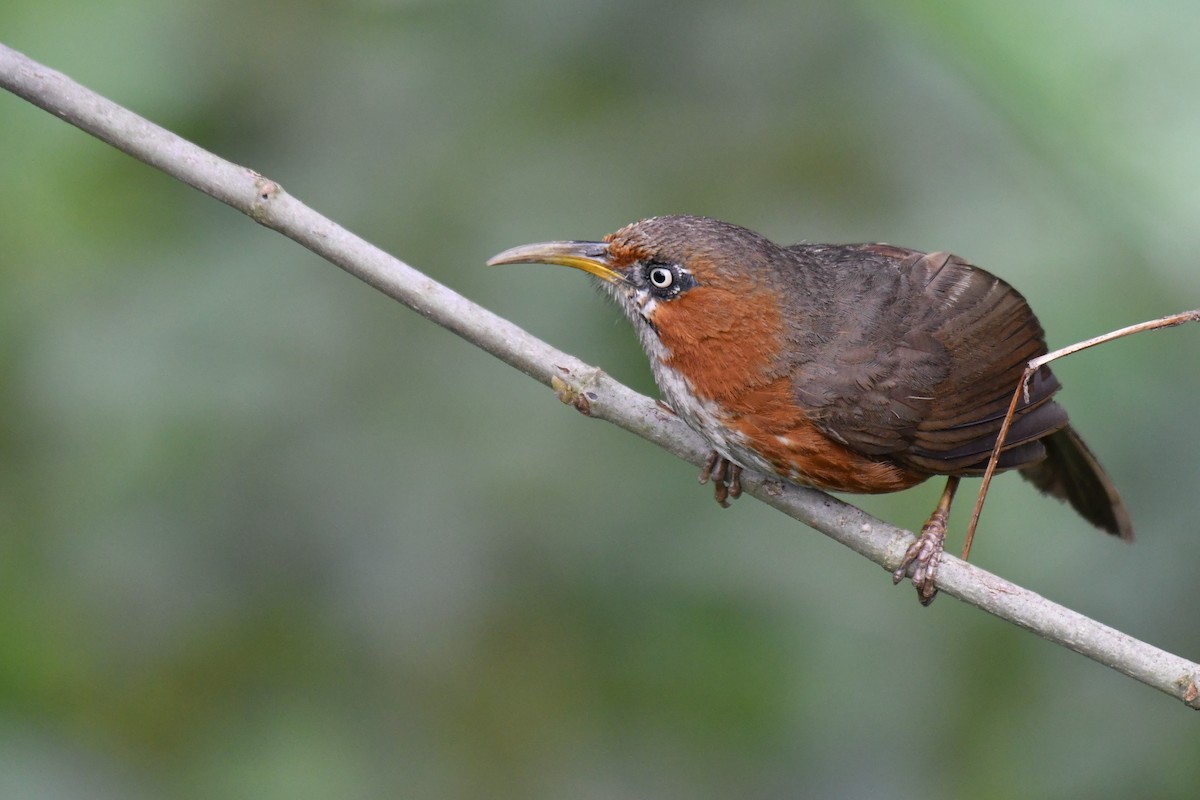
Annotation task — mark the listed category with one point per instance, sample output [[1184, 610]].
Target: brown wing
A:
[[925, 373], [989, 334]]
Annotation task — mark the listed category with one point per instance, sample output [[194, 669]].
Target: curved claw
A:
[[726, 477], [923, 558]]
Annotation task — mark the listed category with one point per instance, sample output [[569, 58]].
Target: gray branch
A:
[[590, 389]]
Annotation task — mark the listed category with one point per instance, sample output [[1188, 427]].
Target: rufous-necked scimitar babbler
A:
[[852, 368]]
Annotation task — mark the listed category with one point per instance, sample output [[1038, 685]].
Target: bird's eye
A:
[[660, 277], [666, 281]]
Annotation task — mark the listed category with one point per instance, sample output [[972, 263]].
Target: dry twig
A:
[[1022, 388]]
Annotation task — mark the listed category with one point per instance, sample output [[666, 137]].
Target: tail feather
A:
[[1070, 472]]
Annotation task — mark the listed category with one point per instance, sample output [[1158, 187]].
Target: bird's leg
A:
[[726, 477], [924, 555]]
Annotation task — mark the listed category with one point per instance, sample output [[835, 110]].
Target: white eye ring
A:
[[660, 277]]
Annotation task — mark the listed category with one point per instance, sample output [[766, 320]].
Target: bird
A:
[[859, 368]]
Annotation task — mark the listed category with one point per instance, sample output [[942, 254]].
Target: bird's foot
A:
[[726, 477], [923, 556]]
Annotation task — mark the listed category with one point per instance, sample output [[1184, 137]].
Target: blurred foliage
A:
[[266, 533]]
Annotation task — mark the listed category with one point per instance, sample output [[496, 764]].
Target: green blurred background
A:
[[266, 533]]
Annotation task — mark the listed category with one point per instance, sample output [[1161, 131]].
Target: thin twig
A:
[[265, 202], [1022, 388]]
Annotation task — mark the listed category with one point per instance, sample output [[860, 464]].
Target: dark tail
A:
[[1070, 472]]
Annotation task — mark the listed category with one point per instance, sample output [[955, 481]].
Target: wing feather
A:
[[927, 372]]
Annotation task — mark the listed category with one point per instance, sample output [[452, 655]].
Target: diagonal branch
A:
[[587, 387]]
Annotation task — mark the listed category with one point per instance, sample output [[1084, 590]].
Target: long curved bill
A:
[[591, 257]]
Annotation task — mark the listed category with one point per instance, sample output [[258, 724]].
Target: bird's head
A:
[[679, 279]]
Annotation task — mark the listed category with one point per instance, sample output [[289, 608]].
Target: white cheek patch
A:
[[647, 305], [644, 301]]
